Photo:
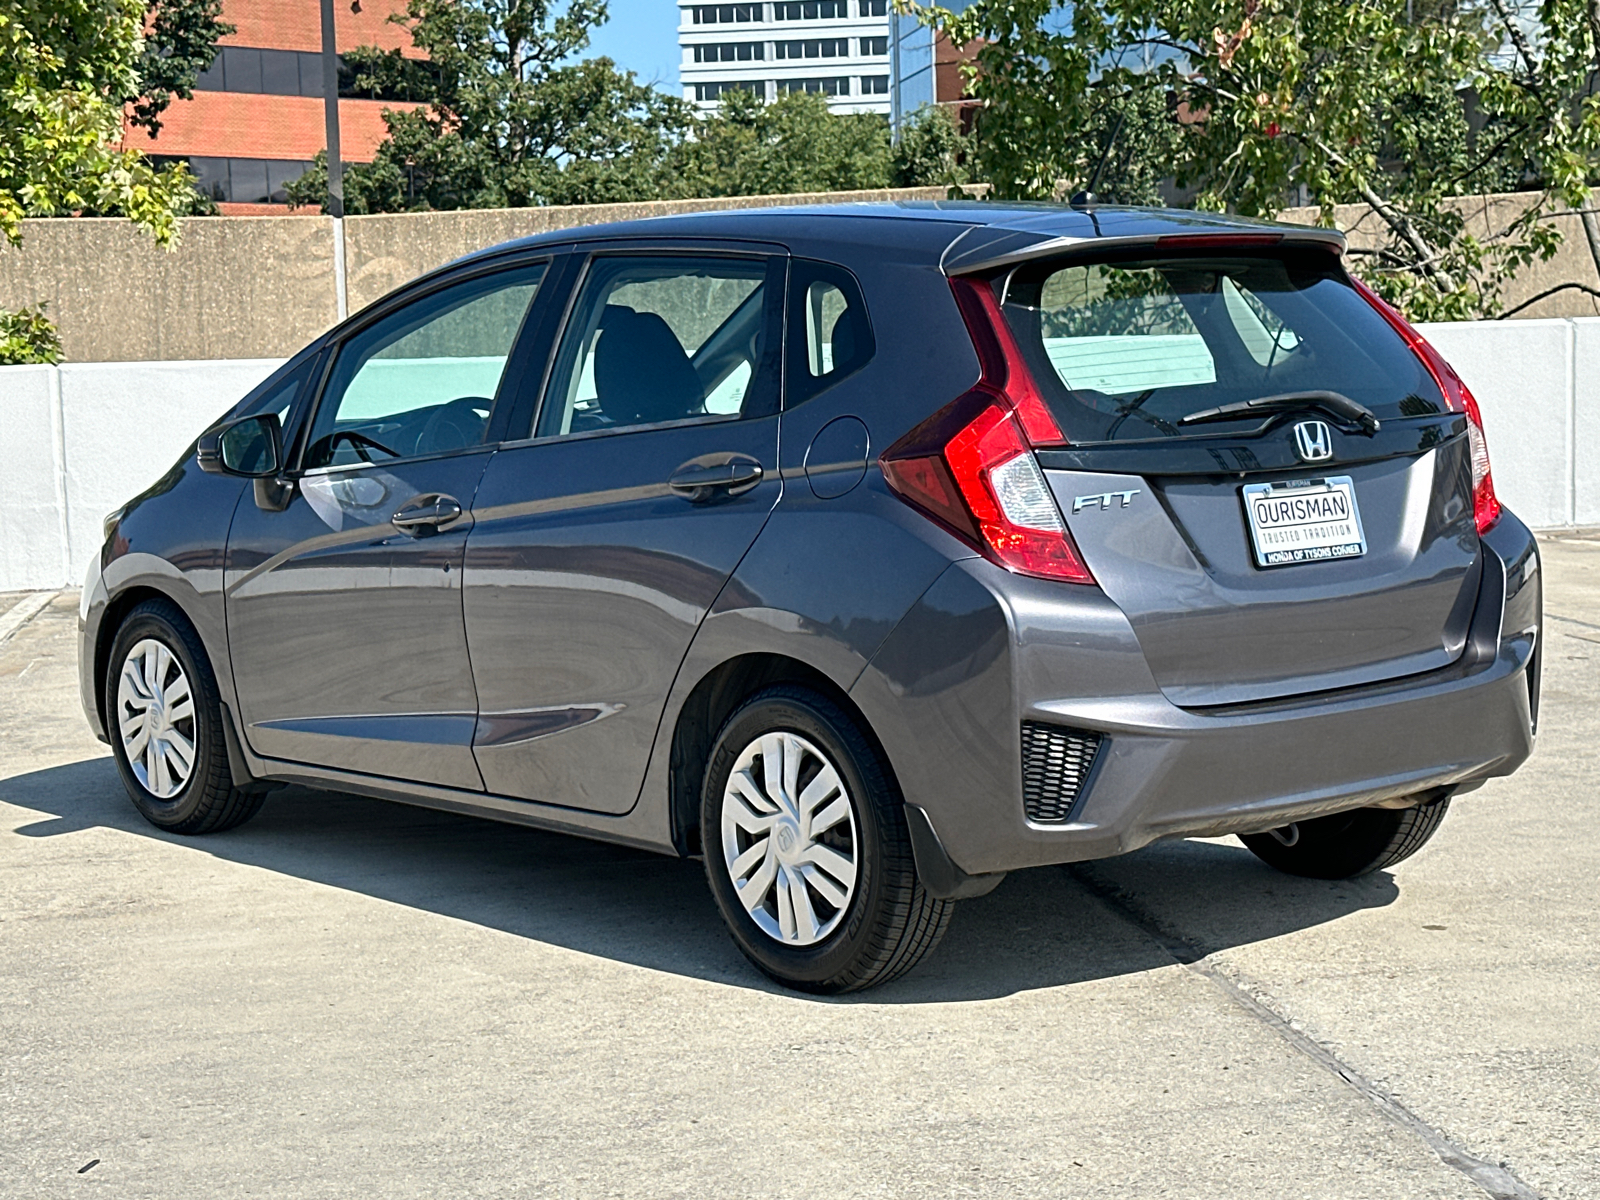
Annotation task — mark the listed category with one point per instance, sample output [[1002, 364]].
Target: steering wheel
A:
[[454, 425]]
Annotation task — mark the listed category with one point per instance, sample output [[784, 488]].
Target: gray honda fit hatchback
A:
[[868, 552]]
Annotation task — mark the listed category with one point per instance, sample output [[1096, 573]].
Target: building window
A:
[[874, 8], [875, 85], [729, 52], [274, 72], [812, 10], [726, 14], [815, 48], [297, 73], [875, 47], [827, 87], [246, 180], [715, 91]]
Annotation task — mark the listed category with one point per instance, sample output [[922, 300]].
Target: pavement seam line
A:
[[1571, 620], [1498, 1182], [23, 611]]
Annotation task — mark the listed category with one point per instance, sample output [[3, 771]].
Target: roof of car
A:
[[1003, 229]]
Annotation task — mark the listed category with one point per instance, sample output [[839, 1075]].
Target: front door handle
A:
[[422, 515], [700, 481]]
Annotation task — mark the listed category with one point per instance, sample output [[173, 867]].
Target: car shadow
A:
[[1041, 928]]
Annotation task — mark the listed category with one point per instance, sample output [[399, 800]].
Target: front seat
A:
[[641, 374]]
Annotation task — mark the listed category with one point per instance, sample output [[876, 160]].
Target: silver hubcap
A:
[[155, 717], [789, 838]]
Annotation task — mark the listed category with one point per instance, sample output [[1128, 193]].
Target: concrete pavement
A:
[[345, 997]]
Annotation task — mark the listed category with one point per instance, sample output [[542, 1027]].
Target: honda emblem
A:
[[1313, 441]]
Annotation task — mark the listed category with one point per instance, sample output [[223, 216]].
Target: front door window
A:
[[423, 380]]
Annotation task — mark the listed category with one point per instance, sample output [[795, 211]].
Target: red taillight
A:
[[971, 467], [1457, 397]]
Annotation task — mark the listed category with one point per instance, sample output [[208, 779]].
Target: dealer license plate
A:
[[1309, 520]]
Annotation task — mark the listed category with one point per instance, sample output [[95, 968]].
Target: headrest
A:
[[641, 374]]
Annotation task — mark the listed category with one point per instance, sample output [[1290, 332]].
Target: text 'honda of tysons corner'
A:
[[866, 552]]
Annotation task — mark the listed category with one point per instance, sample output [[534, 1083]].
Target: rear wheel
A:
[[807, 851], [165, 721], [1350, 843]]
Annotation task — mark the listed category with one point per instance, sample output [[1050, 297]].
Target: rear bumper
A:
[[985, 650]]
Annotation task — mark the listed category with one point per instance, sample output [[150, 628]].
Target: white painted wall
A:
[[78, 440], [1523, 373]]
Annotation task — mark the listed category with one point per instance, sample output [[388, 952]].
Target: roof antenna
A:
[[1087, 197]]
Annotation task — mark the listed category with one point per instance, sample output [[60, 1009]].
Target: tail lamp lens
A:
[[1458, 397], [971, 465]]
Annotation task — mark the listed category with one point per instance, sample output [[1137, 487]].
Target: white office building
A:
[[839, 48]]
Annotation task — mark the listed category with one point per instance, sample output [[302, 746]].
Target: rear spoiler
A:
[[986, 248]]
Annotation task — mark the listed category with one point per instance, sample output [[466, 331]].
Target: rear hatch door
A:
[[1321, 537]]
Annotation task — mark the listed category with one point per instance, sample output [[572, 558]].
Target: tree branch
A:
[[1397, 221], [1547, 293]]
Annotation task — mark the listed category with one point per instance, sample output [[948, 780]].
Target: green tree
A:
[[65, 66], [750, 148], [1539, 86], [1334, 99], [180, 42], [932, 150], [507, 120]]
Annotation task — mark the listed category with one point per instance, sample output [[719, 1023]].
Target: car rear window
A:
[[1125, 349]]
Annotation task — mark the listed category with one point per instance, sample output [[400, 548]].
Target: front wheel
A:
[[165, 721], [807, 851], [1349, 844]]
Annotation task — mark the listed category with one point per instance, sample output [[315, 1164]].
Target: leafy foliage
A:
[[932, 150], [506, 119], [506, 124], [1539, 85], [750, 148], [180, 42], [795, 144], [28, 336], [64, 66], [1345, 101]]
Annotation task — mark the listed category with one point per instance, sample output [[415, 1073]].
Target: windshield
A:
[[1126, 349]]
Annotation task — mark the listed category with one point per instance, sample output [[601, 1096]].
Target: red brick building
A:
[[256, 120]]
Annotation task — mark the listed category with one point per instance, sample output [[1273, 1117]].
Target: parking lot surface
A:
[[346, 997]]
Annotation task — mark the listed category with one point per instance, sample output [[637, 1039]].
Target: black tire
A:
[[889, 922], [209, 801], [1349, 844]]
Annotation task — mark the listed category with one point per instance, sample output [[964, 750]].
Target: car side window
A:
[[423, 379], [660, 338], [830, 336]]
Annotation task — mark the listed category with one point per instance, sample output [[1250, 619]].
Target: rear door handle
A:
[[697, 481], [425, 514]]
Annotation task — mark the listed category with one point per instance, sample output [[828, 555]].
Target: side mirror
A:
[[251, 447]]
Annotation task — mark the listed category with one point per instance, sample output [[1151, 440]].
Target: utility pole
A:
[[330, 113]]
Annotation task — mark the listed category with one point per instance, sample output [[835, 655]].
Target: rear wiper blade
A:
[[1336, 403]]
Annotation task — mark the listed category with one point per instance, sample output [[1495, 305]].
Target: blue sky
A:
[[642, 37]]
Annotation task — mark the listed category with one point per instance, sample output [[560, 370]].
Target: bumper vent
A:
[[1055, 765]]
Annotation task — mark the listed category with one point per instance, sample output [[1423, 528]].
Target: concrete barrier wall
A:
[[254, 287], [78, 440], [383, 252]]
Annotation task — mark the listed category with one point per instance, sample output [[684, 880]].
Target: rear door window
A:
[[1126, 349], [830, 337], [658, 339]]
